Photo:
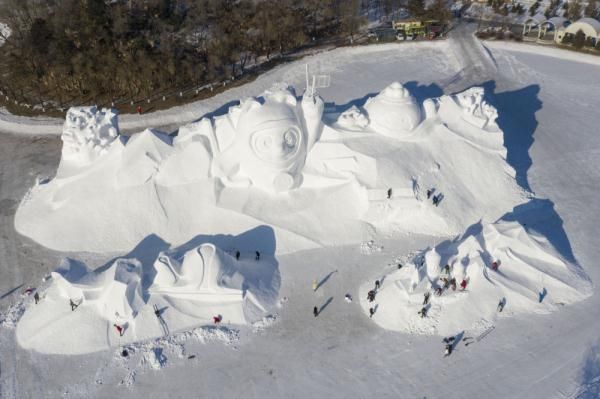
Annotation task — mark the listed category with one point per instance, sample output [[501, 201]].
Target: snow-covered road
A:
[[548, 111]]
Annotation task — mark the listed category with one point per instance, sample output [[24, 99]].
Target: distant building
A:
[[589, 26], [548, 30], [531, 27]]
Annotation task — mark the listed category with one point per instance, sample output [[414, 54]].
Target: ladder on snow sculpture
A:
[[318, 82]]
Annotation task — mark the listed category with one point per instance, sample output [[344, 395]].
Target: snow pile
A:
[[5, 32], [129, 301], [494, 269], [157, 354], [274, 161]]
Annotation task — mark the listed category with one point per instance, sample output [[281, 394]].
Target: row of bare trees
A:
[[95, 50]]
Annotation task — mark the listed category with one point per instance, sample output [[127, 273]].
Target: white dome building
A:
[[394, 112], [589, 26]]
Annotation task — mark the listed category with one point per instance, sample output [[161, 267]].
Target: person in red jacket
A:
[[463, 284], [120, 329], [139, 109]]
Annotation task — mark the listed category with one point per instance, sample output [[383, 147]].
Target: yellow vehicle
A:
[[414, 28]]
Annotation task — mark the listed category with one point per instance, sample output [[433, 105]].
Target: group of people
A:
[[371, 297], [256, 255], [435, 198]]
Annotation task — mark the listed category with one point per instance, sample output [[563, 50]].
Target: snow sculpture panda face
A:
[[277, 145], [270, 143]]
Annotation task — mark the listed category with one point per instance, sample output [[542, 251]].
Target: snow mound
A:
[[85, 311], [5, 32], [497, 269], [272, 160]]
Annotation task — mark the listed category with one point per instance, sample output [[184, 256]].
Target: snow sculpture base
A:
[[188, 287], [530, 277]]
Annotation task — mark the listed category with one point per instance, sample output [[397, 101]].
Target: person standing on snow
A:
[[426, 298], [237, 255], [257, 258], [429, 192], [463, 284], [448, 350], [377, 285], [371, 296], [73, 305], [389, 193], [315, 311], [423, 312], [371, 312], [120, 329], [36, 297], [501, 305], [314, 285]]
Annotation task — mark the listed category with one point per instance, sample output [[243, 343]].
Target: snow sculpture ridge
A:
[[87, 134], [116, 292], [394, 111]]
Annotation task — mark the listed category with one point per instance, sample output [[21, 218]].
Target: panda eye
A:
[[290, 139]]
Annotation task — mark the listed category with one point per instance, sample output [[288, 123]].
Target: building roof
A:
[[589, 26], [557, 22], [537, 19]]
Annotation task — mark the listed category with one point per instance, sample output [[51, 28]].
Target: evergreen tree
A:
[[579, 39], [591, 9], [574, 11]]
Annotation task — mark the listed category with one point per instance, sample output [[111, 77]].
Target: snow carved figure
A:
[[87, 134], [475, 108], [202, 270], [394, 112], [264, 142], [353, 118]]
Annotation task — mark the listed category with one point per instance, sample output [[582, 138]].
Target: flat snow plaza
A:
[[419, 221]]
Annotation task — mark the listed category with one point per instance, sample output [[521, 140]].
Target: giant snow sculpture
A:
[[276, 160]]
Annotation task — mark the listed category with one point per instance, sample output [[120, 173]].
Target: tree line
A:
[[95, 50]]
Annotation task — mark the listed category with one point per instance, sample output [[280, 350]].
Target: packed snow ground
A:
[[341, 352]]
